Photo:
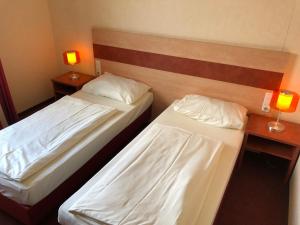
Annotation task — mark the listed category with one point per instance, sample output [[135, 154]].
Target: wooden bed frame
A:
[[32, 215]]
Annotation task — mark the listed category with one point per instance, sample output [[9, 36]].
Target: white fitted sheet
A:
[[33, 189], [232, 140]]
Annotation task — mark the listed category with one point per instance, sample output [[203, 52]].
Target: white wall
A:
[[27, 50], [272, 24]]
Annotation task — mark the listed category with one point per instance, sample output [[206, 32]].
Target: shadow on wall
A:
[[6, 102], [2, 118]]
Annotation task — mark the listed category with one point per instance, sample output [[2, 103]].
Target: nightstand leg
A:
[[292, 165]]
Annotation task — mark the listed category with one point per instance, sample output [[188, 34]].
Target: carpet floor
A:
[[256, 195]]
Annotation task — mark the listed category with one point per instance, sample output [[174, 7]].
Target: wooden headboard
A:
[[175, 67]]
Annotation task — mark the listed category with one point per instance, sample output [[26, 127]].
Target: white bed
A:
[[36, 187], [232, 140]]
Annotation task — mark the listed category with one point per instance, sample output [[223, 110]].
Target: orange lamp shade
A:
[[285, 101], [71, 57]]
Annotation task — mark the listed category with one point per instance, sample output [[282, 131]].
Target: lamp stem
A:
[[276, 125], [278, 116]]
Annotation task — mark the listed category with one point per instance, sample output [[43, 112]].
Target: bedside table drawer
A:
[[271, 147]]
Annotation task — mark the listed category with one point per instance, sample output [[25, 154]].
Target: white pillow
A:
[[212, 111], [116, 87]]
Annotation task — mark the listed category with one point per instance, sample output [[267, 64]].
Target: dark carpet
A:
[[256, 195], [6, 220]]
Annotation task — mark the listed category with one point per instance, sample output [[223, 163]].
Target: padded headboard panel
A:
[[175, 67]]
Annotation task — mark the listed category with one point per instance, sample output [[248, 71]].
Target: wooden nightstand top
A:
[[257, 125], [65, 79]]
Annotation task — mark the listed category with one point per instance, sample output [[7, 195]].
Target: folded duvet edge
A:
[[84, 125]]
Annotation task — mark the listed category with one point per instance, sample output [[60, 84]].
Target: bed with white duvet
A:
[[174, 172], [59, 140]]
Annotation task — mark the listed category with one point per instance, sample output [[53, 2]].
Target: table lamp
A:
[[71, 58], [283, 101]]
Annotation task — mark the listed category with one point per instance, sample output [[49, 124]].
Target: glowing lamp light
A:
[[71, 58], [284, 101]]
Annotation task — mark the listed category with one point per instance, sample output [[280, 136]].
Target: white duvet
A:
[[161, 180], [32, 143]]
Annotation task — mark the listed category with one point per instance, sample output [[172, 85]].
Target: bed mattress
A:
[[36, 187], [232, 141]]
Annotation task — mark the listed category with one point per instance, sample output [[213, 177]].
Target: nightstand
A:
[[285, 144], [64, 85]]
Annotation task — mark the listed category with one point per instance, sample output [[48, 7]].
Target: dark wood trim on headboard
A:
[[210, 70]]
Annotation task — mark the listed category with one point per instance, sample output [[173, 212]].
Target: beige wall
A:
[[27, 50], [272, 24], [264, 23]]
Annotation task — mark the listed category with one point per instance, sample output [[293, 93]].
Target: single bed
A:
[[232, 141], [200, 70], [30, 200]]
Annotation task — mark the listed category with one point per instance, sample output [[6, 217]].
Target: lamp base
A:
[[74, 76], [275, 126]]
